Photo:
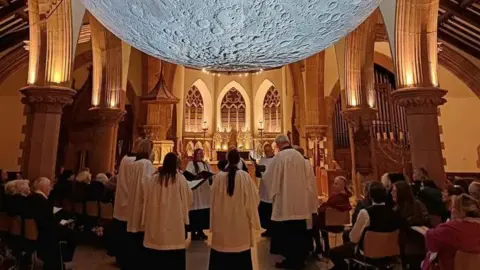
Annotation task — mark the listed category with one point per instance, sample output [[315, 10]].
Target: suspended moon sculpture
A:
[[231, 35]]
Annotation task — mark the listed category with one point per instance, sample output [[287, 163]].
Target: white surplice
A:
[[313, 195], [202, 194], [262, 190], [289, 186], [233, 219], [121, 193], [142, 170], [165, 213]]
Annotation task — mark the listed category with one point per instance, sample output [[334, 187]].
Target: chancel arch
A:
[[233, 102], [267, 108]]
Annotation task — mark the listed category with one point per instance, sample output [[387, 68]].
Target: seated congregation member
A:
[[377, 218], [167, 200], [474, 190], [338, 200], [50, 232], [200, 212], [16, 192], [265, 207], [388, 179], [412, 213], [84, 176], [363, 203], [142, 170], [289, 188], [96, 188], [462, 233], [234, 218], [117, 239]]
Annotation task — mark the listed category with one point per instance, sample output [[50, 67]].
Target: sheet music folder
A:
[[194, 181]]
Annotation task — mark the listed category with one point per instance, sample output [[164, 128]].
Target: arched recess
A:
[[239, 87], [207, 102], [258, 105]]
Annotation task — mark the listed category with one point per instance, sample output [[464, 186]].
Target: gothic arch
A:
[[207, 101], [239, 87], [258, 108]]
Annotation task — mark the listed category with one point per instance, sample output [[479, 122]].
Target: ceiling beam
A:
[[13, 39], [460, 11], [449, 37], [11, 8]]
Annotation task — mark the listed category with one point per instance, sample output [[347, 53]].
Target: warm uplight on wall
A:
[[353, 100], [371, 98], [409, 78], [32, 76], [57, 77]]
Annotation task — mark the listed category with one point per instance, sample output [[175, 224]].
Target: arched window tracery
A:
[[233, 110], [271, 111], [194, 109]]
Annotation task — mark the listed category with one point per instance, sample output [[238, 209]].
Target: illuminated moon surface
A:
[[236, 35]]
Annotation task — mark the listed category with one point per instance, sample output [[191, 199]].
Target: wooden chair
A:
[[335, 222], [15, 228], [5, 221], [92, 209], [106, 211], [78, 208], [467, 261], [67, 205], [378, 246]]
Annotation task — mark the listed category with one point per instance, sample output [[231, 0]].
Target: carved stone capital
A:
[[316, 132], [420, 99], [51, 99], [360, 117], [106, 116]]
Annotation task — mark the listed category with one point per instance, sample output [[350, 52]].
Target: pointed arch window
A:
[[193, 110], [233, 110], [272, 116]]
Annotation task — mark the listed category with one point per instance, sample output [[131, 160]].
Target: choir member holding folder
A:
[[166, 204], [265, 207], [196, 170], [234, 218]]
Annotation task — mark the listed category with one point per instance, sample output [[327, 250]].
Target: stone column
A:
[[44, 111], [421, 105], [105, 131], [416, 55]]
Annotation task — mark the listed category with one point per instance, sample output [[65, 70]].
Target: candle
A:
[[379, 137], [391, 136], [385, 136], [401, 136], [204, 124]]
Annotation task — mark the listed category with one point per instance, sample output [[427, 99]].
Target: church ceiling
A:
[[459, 24]]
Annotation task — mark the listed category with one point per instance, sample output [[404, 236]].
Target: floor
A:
[[89, 258]]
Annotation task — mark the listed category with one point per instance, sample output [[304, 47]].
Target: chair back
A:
[[78, 208], [379, 245], [467, 261], [334, 217], [92, 208], [106, 210], [67, 205], [16, 226], [31, 230], [5, 221]]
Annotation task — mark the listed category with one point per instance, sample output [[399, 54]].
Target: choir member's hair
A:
[[377, 192], [233, 158], [196, 159], [16, 187], [467, 206], [462, 183], [144, 149], [168, 172], [474, 190], [282, 139]]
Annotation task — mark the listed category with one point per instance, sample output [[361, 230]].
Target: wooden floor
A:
[[89, 258]]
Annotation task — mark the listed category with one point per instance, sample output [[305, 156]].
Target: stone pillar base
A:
[[160, 149], [44, 111], [421, 108], [105, 121]]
